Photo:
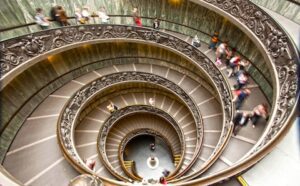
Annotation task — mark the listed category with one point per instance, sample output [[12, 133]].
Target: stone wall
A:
[[284, 7]]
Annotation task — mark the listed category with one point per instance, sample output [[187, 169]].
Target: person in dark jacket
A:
[[62, 16], [260, 111], [240, 119], [53, 12]]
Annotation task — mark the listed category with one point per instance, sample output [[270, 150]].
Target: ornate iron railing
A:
[[280, 52], [130, 169], [33, 47]]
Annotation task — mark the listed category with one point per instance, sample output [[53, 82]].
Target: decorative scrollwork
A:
[[71, 35], [108, 124], [8, 60], [277, 43]]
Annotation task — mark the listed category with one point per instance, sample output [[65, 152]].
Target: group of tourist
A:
[[58, 14], [236, 67], [82, 16]]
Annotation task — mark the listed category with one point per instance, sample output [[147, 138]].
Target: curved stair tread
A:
[[61, 173], [256, 97], [227, 157], [131, 124], [217, 166], [211, 108], [232, 154], [52, 105], [88, 125], [105, 71], [85, 137], [68, 89], [35, 124], [33, 160]]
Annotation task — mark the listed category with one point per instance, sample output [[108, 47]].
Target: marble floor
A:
[[139, 151]]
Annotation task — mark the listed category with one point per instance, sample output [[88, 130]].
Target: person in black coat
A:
[[240, 119], [53, 13]]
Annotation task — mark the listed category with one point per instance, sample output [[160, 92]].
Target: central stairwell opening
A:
[[141, 151]]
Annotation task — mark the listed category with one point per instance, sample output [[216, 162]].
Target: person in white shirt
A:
[[102, 15], [196, 41], [85, 13], [260, 111], [78, 16], [40, 19], [222, 50], [91, 164], [151, 101], [112, 107]]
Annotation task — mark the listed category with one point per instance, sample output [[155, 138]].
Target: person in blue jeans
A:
[[240, 96], [214, 41]]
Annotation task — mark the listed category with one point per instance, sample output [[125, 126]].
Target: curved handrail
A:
[[85, 179], [282, 54], [133, 174]]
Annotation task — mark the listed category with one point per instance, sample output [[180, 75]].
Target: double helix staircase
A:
[[68, 120]]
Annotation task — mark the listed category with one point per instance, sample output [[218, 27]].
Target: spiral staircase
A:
[[56, 86]]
